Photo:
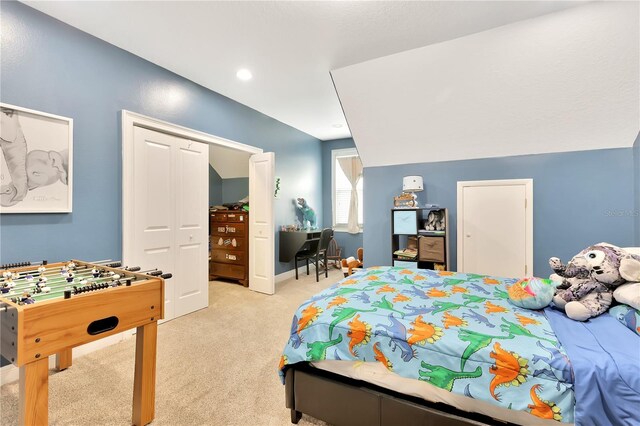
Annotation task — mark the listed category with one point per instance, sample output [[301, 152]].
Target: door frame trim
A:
[[129, 120], [528, 184]]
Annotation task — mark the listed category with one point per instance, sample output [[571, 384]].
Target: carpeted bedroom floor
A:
[[217, 366]]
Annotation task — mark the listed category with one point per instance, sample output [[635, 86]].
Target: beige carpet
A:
[[217, 366]]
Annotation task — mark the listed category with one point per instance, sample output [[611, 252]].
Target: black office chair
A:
[[316, 253]]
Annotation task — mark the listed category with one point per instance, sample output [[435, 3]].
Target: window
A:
[[341, 190]]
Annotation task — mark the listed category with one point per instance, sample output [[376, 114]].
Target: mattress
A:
[[375, 373]]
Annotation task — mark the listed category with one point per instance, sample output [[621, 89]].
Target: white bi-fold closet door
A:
[[170, 188]]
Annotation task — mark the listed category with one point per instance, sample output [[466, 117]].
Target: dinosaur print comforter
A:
[[456, 331]]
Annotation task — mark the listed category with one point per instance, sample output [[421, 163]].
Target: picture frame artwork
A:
[[36, 161]]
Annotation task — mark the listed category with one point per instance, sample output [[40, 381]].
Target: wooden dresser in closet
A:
[[229, 234]]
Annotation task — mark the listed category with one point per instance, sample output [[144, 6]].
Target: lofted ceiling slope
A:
[[289, 46], [567, 81]]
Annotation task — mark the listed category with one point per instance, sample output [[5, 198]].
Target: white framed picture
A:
[[35, 161]]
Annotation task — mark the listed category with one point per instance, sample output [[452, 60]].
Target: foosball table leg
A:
[[63, 359], [144, 382], [34, 393]]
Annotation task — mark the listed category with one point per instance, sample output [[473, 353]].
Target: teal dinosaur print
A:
[[405, 280], [518, 330], [346, 290], [475, 276], [500, 294], [318, 350], [443, 377], [476, 341], [343, 314], [451, 281], [385, 304], [472, 298], [440, 306]]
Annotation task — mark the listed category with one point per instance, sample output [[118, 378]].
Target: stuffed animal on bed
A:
[[532, 293], [588, 280]]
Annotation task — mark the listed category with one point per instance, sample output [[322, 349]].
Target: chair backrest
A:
[[325, 237]]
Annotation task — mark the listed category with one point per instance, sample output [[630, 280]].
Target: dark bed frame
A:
[[341, 401]]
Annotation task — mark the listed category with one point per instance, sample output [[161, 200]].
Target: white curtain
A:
[[352, 168]]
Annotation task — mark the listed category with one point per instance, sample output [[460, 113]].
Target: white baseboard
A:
[[11, 373], [290, 274]]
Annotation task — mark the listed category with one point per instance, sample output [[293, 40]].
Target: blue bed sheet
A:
[[605, 357]]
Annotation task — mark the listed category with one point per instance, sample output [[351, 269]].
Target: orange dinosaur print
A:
[[401, 298], [541, 408], [379, 356], [510, 369], [423, 332], [419, 278], [434, 292], [359, 333], [283, 361], [373, 278], [309, 315], [525, 321], [516, 292], [406, 272], [492, 309], [337, 301], [349, 281], [386, 289], [491, 281], [457, 289], [452, 321], [445, 273]]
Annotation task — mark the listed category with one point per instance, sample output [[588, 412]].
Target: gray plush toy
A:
[[588, 280]]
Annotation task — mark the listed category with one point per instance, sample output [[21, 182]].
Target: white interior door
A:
[[261, 224], [153, 192], [167, 201], [192, 227], [495, 227]]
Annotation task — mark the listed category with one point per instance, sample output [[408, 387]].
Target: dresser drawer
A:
[[226, 270], [228, 256], [228, 229], [228, 217], [228, 242]]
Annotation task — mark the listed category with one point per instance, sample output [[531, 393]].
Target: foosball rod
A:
[[52, 272]]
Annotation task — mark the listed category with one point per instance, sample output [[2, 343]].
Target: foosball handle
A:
[[166, 276], [132, 268], [113, 265], [15, 265], [154, 273]]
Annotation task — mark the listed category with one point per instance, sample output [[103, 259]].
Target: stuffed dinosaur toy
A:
[[588, 280]]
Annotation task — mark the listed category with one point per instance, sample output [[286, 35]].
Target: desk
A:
[[293, 242]]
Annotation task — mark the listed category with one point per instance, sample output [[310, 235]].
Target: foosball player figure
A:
[[26, 299], [42, 269], [95, 272], [69, 277]]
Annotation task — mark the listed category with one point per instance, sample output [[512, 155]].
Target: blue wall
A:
[[636, 179], [234, 189], [215, 187], [577, 198], [348, 242], [52, 67]]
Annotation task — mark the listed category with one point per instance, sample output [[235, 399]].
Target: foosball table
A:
[[48, 309]]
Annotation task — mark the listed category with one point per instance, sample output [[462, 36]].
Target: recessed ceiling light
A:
[[337, 125], [244, 74]]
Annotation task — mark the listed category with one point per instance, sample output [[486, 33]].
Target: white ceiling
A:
[[289, 46], [229, 163], [567, 81]]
